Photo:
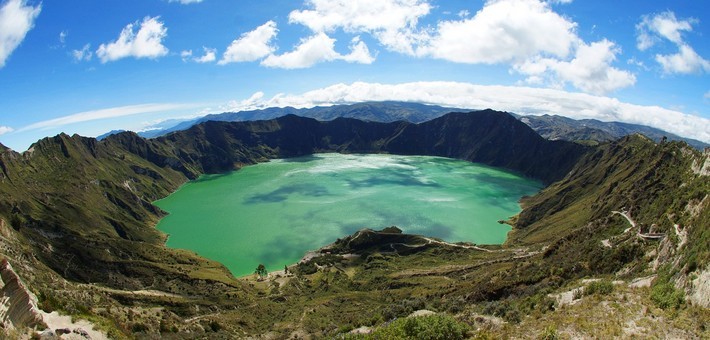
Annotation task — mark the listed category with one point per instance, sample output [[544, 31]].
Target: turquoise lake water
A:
[[272, 213]]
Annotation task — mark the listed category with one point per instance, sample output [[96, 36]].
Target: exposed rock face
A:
[[18, 306], [701, 289]]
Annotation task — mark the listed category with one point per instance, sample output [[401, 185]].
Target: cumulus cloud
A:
[[84, 54], [251, 46], [523, 100], [16, 19], [535, 41], [503, 31], [590, 70], [392, 22], [686, 61], [318, 48], [359, 52], [309, 52], [663, 25], [654, 28], [209, 56], [5, 129], [146, 43]]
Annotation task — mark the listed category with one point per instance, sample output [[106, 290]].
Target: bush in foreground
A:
[[430, 327]]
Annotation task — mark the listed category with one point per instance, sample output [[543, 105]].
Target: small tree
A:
[[261, 271]]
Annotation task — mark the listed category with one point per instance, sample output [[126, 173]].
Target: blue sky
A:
[[87, 67]]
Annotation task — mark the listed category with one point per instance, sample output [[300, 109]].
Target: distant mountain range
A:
[[563, 128], [551, 127], [383, 112]]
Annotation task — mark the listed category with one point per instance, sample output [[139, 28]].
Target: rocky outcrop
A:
[[18, 306], [700, 293]]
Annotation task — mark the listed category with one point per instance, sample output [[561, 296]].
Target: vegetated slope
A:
[[384, 112], [563, 128], [567, 233], [85, 206]]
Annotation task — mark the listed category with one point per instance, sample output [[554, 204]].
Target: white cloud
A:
[[318, 48], [16, 19], [5, 129], [525, 34], [251, 46], [707, 95], [186, 55], [665, 25], [523, 100], [146, 43], [686, 61], [590, 70], [310, 51], [104, 114], [503, 31], [392, 22], [83, 54], [63, 37], [359, 53], [186, 2], [209, 56]]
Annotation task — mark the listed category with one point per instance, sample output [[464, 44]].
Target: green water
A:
[[272, 213]]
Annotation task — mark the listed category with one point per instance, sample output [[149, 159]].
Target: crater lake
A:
[[272, 213]]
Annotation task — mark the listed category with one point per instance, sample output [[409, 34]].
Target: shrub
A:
[[403, 308], [49, 303], [666, 296], [431, 327], [602, 287], [663, 292]]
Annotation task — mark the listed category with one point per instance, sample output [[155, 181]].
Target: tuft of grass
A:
[[549, 333]]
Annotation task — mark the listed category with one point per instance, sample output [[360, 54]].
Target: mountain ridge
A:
[[549, 126]]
